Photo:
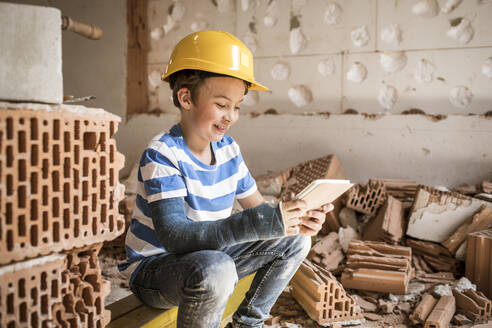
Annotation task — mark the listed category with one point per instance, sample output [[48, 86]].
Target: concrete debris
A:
[[478, 260], [424, 72], [391, 34], [348, 217], [346, 235], [460, 96], [360, 36], [327, 252], [426, 8], [414, 290], [442, 290], [357, 73], [386, 306], [332, 13], [474, 305], [387, 97], [368, 198], [388, 224], [300, 95], [487, 185], [443, 312], [377, 266], [435, 214], [323, 297], [392, 62], [481, 220], [463, 32]]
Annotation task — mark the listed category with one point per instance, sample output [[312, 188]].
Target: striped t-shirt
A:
[[168, 169]]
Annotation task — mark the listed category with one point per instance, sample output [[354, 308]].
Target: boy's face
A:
[[217, 107]]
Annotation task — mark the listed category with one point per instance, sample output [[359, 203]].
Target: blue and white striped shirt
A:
[[168, 169]]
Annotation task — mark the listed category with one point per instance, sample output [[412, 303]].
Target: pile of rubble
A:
[[392, 253]]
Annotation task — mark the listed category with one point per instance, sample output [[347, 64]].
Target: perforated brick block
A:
[[59, 290], [59, 184], [323, 297], [367, 198]]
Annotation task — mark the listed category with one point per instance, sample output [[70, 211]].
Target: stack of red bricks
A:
[[59, 195]]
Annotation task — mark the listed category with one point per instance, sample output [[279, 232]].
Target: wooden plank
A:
[[147, 317]]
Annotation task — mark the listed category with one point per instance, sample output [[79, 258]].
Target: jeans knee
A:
[[218, 275], [301, 245]]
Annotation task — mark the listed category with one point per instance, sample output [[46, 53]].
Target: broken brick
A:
[[423, 309], [366, 199], [59, 184], [433, 255], [443, 312], [323, 297], [377, 266], [387, 225], [479, 260], [474, 305], [327, 252], [401, 189]]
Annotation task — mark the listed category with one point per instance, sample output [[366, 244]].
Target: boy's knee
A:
[[301, 245]]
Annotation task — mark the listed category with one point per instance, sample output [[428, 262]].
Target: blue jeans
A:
[[201, 282]]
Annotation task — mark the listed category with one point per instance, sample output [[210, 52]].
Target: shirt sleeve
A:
[[246, 184], [160, 176]]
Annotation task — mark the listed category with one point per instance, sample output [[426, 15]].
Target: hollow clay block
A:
[[443, 312], [479, 260], [474, 305], [423, 309]]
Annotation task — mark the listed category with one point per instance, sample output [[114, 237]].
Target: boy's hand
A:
[[292, 211], [312, 223]]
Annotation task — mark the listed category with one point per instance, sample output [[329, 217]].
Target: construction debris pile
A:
[[59, 196], [391, 253]]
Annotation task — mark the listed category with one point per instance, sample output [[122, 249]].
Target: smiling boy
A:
[[184, 248]]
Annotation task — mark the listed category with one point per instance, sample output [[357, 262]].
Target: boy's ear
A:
[[184, 98]]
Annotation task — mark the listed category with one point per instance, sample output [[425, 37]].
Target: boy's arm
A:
[[178, 234], [251, 201]]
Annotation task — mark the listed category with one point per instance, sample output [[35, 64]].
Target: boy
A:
[[184, 248]]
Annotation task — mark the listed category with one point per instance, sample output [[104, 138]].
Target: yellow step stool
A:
[[130, 312]]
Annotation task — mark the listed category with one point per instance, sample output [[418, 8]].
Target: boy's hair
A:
[[193, 80]]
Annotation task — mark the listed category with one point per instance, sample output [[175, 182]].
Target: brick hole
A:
[[54, 288], [22, 170], [44, 281], [354, 202], [22, 245], [76, 179], [45, 168], [56, 129], [111, 223], [111, 177], [370, 203], [45, 122], [1, 139], [67, 123], [87, 296], [45, 221], [103, 213], [85, 233], [11, 285], [373, 194], [9, 214], [111, 154], [11, 324], [10, 185], [21, 225], [90, 140], [34, 155], [45, 240], [98, 306], [85, 168], [34, 210], [34, 235], [21, 142], [103, 189], [111, 201], [66, 193], [44, 304], [10, 304], [45, 195], [94, 178], [55, 207], [76, 154], [55, 180], [34, 320], [75, 204], [10, 156], [56, 232], [66, 167], [94, 202], [46, 142], [76, 130], [112, 129], [85, 190], [102, 141], [56, 155], [120, 224], [34, 293], [76, 228], [34, 183], [66, 218], [102, 165], [94, 226], [66, 141], [10, 128], [21, 288], [21, 196], [85, 216]]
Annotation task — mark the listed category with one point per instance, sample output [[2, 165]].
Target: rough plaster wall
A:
[[94, 67]]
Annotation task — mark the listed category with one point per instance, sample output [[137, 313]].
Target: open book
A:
[[322, 191]]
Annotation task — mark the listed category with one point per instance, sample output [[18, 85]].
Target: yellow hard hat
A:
[[216, 52]]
